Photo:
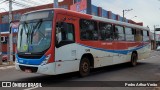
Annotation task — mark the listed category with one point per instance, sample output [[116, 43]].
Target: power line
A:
[[21, 3], [17, 4], [3, 1], [46, 1], [32, 2], [28, 3]]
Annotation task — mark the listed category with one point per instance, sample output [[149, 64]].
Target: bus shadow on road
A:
[[62, 80], [117, 67]]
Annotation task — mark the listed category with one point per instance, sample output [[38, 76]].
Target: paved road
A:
[[146, 70]]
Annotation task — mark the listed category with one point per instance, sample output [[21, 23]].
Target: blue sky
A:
[[147, 11]]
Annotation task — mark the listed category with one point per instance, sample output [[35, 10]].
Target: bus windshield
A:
[[34, 35]]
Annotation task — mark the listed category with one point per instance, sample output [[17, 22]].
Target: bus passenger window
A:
[[146, 36], [106, 32], [88, 30], [119, 33], [129, 34], [138, 36]]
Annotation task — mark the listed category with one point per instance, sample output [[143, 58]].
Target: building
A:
[[83, 6]]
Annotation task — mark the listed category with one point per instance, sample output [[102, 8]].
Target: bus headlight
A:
[[46, 60]]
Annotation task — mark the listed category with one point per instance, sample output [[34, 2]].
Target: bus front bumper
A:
[[48, 69]]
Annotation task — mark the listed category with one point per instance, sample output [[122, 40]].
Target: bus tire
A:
[[84, 68], [134, 58]]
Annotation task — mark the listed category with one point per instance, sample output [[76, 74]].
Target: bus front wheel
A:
[[84, 68], [134, 58]]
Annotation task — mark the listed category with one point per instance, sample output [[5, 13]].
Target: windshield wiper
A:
[[35, 28], [25, 27]]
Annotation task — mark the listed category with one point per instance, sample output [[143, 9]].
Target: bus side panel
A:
[[66, 59], [130, 45], [105, 58], [145, 51], [66, 55], [120, 57], [101, 57]]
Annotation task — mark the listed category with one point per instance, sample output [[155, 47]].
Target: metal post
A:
[[0, 50], [154, 37], [55, 3], [11, 34]]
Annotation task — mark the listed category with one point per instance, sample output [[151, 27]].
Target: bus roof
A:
[[85, 16]]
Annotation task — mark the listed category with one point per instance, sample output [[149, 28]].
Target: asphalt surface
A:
[[146, 70]]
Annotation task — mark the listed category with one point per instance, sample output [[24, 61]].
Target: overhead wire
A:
[[33, 2], [22, 3], [3, 1], [28, 3]]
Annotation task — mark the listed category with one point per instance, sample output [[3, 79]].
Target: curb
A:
[[157, 88], [7, 64]]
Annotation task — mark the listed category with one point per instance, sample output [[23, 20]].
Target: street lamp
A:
[[126, 12], [155, 36]]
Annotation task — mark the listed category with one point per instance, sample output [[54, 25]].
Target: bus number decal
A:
[[87, 50]]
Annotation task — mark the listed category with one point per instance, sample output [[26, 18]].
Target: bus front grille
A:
[[32, 69]]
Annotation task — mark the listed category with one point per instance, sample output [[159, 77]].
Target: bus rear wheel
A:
[[84, 68], [134, 58]]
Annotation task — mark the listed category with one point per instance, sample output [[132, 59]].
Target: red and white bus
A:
[[57, 41]]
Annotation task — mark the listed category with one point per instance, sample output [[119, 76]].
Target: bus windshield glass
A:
[[34, 35]]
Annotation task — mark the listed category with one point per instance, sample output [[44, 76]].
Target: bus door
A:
[[65, 47]]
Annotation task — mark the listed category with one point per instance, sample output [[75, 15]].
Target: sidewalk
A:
[[157, 88], [6, 64]]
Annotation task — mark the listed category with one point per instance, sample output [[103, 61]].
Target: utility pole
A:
[[155, 29], [11, 34], [1, 43], [123, 16], [55, 3], [155, 36], [154, 46]]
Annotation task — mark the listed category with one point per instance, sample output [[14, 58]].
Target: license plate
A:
[[28, 71]]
